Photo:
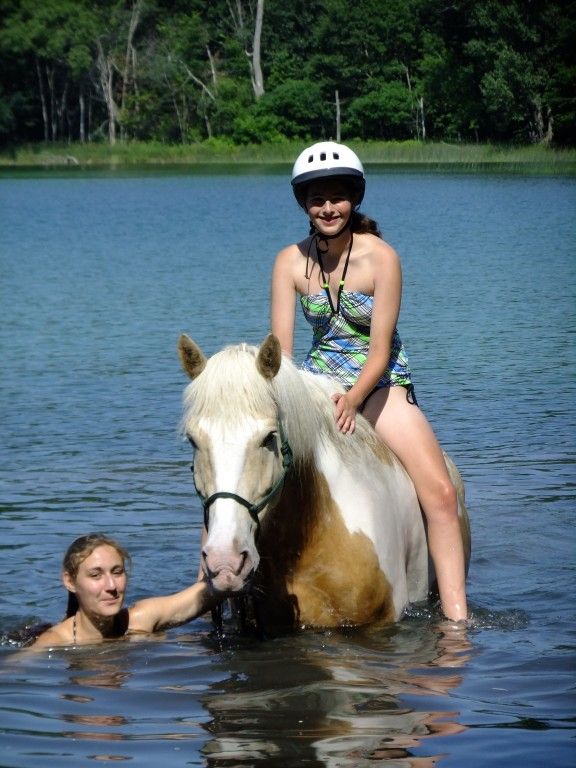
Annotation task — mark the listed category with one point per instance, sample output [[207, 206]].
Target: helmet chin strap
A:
[[322, 240]]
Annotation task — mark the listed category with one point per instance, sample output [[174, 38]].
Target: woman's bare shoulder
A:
[[59, 634]]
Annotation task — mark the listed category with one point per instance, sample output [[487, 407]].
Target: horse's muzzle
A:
[[230, 575]]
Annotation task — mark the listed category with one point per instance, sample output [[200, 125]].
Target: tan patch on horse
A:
[[313, 571], [338, 580]]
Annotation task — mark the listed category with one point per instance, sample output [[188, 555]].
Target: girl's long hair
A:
[[363, 224]]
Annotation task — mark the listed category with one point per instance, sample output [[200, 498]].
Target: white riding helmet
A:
[[327, 159]]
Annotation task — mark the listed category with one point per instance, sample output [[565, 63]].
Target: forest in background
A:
[[267, 71]]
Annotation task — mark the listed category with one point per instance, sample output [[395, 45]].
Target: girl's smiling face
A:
[[329, 206], [100, 583]]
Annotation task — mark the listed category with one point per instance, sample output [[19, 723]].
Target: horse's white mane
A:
[[231, 388]]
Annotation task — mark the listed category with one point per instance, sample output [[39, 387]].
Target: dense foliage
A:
[[250, 71]]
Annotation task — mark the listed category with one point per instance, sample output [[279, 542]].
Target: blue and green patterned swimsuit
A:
[[341, 339]]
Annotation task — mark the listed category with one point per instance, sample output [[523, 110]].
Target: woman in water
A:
[[349, 282], [94, 573]]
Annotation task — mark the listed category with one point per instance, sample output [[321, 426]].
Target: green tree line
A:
[[251, 71]]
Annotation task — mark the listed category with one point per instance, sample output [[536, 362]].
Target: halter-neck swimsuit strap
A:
[[74, 630], [342, 280]]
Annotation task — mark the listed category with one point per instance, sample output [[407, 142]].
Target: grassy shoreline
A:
[[408, 154]]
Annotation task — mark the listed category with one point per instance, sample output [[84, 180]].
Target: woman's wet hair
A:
[[78, 551]]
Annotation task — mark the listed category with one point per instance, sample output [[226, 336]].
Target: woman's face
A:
[[329, 206], [100, 584]]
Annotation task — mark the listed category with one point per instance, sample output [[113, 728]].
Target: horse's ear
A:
[[191, 356], [269, 357]]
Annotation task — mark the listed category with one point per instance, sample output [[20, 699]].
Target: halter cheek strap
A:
[[253, 508]]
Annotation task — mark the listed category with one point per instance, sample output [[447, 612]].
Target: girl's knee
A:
[[441, 501], [448, 494]]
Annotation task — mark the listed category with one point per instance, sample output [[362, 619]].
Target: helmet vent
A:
[[322, 156], [336, 156]]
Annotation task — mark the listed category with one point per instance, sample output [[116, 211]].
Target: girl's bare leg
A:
[[407, 432]]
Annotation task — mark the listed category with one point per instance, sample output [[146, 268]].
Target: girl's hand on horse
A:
[[344, 413]]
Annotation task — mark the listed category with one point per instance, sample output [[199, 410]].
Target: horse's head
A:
[[240, 453]]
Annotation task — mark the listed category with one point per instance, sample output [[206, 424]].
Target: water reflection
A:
[[365, 697], [94, 671], [343, 699]]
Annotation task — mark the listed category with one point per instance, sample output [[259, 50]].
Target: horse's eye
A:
[[269, 441], [192, 442]]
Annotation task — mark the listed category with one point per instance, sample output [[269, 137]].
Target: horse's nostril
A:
[[243, 558]]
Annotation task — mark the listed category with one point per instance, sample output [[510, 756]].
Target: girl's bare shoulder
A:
[[292, 253], [378, 251]]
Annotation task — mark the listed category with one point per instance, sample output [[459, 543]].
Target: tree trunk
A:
[[42, 99], [180, 114], [61, 110], [52, 102], [236, 10], [422, 121], [89, 126], [199, 82], [129, 72], [414, 109], [543, 134], [212, 66], [106, 84], [207, 124], [82, 109], [550, 129], [257, 77], [338, 135]]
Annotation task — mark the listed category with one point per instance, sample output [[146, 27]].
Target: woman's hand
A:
[[344, 412]]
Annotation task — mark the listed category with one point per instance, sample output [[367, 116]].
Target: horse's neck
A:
[[285, 535], [292, 523]]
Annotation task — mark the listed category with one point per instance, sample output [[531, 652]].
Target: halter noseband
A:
[[253, 509]]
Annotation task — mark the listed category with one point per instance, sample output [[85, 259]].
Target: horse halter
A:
[[253, 509]]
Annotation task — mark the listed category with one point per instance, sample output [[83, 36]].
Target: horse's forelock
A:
[[230, 387]]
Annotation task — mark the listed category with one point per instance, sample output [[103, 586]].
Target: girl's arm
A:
[[387, 276], [155, 613], [283, 299], [387, 298]]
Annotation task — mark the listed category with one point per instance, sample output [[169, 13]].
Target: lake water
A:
[[100, 273]]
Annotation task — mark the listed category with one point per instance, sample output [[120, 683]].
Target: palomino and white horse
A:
[[322, 529]]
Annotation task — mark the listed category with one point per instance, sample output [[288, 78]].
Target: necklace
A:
[[325, 283]]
